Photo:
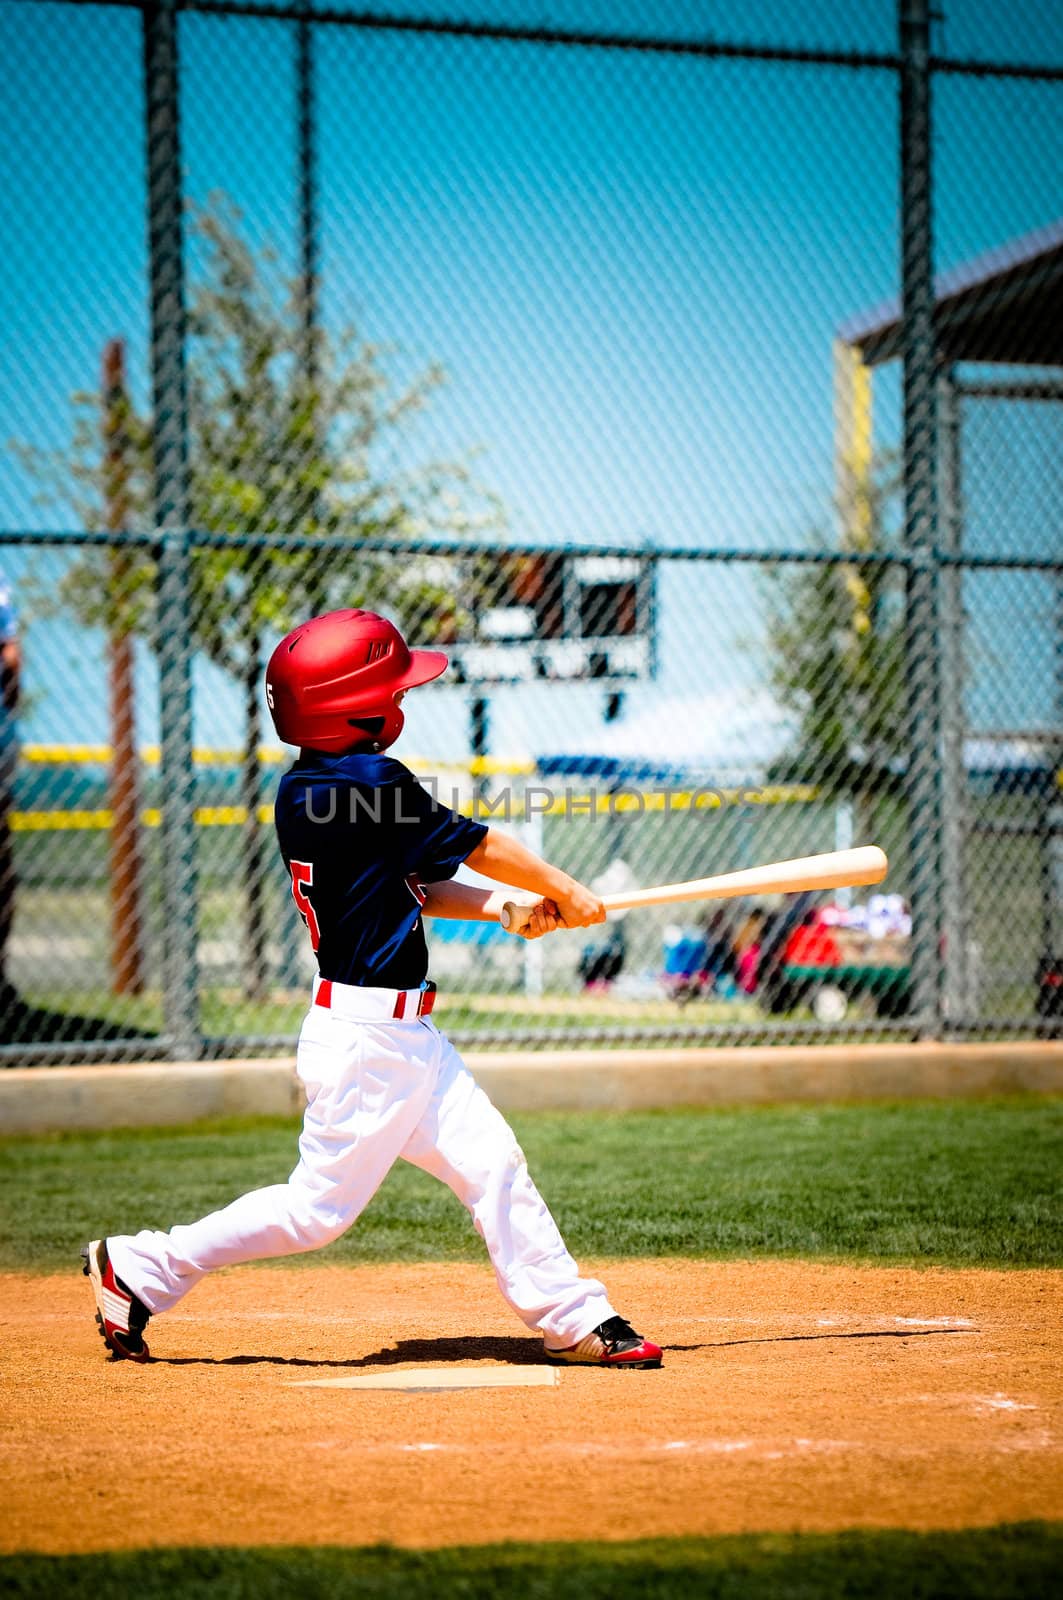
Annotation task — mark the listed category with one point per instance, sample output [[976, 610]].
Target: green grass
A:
[[966, 1183], [1010, 1562], [225, 1012]]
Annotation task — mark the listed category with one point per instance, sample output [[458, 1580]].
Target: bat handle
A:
[[515, 915]]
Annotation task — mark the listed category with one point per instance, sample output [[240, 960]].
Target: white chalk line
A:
[[841, 1319], [982, 1405], [1002, 1402], [675, 1449], [724, 1450], [934, 1322]]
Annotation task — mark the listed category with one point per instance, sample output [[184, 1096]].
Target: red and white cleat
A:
[[613, 1343], [122, 1318]]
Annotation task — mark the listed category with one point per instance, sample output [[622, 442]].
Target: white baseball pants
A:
[[377, 1091]]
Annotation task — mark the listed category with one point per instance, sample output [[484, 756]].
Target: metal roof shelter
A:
[[1005, 306]]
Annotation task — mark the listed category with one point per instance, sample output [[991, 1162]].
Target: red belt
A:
[[426, 999]]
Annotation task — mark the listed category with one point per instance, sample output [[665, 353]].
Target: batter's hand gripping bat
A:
[[839, 869]]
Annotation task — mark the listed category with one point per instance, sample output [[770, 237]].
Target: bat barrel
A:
[[838, 869]]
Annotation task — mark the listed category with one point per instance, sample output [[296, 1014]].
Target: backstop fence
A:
[[572, 349]]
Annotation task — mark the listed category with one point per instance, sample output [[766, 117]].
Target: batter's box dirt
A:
[[793, 1396]]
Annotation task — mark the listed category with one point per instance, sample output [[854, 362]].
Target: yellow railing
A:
[[630, 800], [269, 755]]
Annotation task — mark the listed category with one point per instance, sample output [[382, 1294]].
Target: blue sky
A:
[[631, 268]]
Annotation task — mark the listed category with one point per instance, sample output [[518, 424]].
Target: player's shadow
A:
[[802, 1338], [513, 1351]]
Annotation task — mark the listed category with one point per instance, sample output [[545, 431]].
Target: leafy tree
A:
[[278, 445], [836, 642]]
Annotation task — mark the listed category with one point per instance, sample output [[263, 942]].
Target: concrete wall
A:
[[42, 1099]]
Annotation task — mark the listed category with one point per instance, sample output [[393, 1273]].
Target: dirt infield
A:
[[793, 1396]]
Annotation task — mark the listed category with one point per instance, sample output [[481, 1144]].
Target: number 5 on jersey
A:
[[302, 880]]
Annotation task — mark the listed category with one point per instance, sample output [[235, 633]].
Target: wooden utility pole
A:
[[255, 862], [126, 969]]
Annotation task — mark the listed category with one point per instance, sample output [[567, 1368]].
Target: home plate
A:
[[427, 1380]]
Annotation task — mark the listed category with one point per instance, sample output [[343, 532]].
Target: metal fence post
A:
[[1053, 850], [922, 635], [174, 637], [957, 999], [479, 741]]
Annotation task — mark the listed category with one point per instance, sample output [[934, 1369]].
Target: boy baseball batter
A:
[[369, 852]]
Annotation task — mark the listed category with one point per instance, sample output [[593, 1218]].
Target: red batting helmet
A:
[[331, 683]]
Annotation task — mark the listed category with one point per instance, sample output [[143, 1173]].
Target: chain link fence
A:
[[595, 353]]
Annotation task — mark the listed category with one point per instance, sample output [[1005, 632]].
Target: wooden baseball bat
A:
[[839, 869]]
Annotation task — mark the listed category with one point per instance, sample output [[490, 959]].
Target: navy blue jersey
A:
[[360, 836]]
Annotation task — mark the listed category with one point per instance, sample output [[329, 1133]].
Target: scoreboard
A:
[[554, 617]]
